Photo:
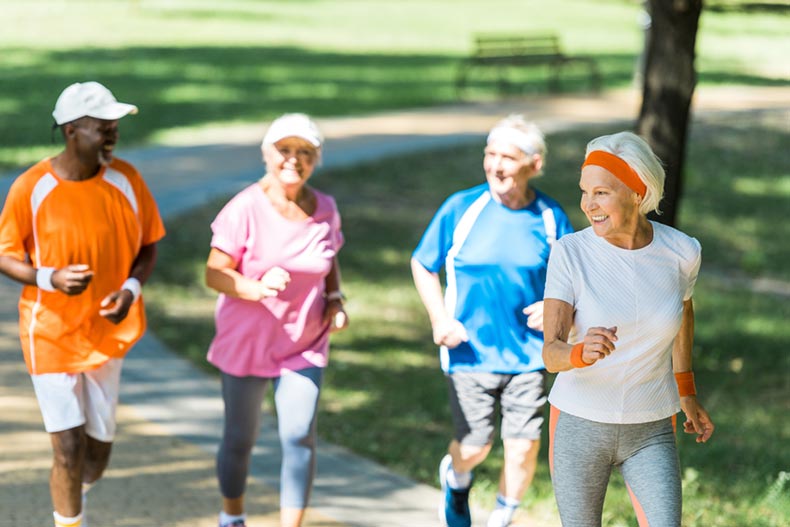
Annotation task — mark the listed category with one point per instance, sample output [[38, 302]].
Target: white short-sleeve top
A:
[[641, 292]]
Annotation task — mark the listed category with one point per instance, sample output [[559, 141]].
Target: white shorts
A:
[[69, 400]]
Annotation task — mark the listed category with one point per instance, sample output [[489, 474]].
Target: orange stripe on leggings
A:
[[554, 414], [640, 512]]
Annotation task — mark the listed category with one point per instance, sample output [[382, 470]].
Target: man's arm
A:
[[18, 270], [115, 306], [71, 280], [447, 331], [143, 265]]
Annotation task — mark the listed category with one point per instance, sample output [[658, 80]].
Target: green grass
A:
[[385, 371], [193, 63], [738, 193]]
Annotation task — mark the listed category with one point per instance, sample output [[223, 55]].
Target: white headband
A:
[[513, 136]]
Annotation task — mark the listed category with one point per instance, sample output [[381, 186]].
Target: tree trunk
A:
[[669, 82]]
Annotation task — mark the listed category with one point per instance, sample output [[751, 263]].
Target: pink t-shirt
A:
[[286, 332]]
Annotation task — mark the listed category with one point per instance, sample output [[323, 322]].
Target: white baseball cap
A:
[[293, 125], [89, 99]]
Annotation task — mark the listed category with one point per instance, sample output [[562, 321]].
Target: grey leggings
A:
[[582, 454], [296, 401]]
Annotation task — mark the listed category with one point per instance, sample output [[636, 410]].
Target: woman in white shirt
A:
[[618, 322]]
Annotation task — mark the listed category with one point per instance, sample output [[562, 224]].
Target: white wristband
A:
[[44, 278], [134, 286]]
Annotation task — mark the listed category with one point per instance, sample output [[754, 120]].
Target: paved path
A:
[[162, 472]]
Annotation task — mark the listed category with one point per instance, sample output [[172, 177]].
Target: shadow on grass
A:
[[385, 397], [753, 190], [176, 87], [411, 400], [746, 7], [194, 334], [192, 86]]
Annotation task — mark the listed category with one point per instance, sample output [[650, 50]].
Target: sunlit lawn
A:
[[385, 397], [197, 63], [201, 63]]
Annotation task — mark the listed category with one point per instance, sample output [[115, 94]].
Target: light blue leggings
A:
[[296, 401], [582, 454]]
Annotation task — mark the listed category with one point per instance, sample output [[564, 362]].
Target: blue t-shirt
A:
[[495, 261]]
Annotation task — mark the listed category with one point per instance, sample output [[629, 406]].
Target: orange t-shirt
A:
[[102, 222]]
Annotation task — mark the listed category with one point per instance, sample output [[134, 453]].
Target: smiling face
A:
[[290, 161], [93, 140], [610, 206], [508, 169]]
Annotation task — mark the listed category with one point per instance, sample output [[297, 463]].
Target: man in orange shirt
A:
[[79, 230]]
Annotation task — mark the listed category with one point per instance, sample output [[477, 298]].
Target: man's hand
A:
[[115, 306], [449, 332], [72, 279], [534, 314]]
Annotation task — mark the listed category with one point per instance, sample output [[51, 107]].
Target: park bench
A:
[[502, 52]]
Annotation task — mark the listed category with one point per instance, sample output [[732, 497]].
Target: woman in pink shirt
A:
[[274, 262]]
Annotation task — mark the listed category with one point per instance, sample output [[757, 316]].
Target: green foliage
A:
[[193, 63], [737, 190], [385, 397]]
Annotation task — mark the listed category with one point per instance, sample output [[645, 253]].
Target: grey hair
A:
[[640, 157], [533, 140]]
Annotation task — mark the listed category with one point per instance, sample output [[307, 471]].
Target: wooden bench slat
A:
[[492, 50], [510, 52]]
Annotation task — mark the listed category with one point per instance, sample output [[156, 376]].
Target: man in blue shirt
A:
[[494, 242]]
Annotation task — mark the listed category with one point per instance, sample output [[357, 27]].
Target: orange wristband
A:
[[576, 356], [685, 382]]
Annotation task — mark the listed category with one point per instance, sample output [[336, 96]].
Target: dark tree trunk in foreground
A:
[[669, 81]]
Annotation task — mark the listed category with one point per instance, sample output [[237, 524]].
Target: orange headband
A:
[[619, 168]]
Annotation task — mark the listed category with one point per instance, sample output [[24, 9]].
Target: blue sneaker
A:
[[454, 509]]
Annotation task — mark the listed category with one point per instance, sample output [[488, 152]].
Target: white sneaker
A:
[[498, 518]]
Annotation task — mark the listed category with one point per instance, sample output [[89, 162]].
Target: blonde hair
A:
[[640, 157]]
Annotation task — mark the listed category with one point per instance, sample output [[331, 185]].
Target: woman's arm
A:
[[557, 323], [697, 419], [557, 353], [684, 342], [334, 312], [222, 276], [332, 280]]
